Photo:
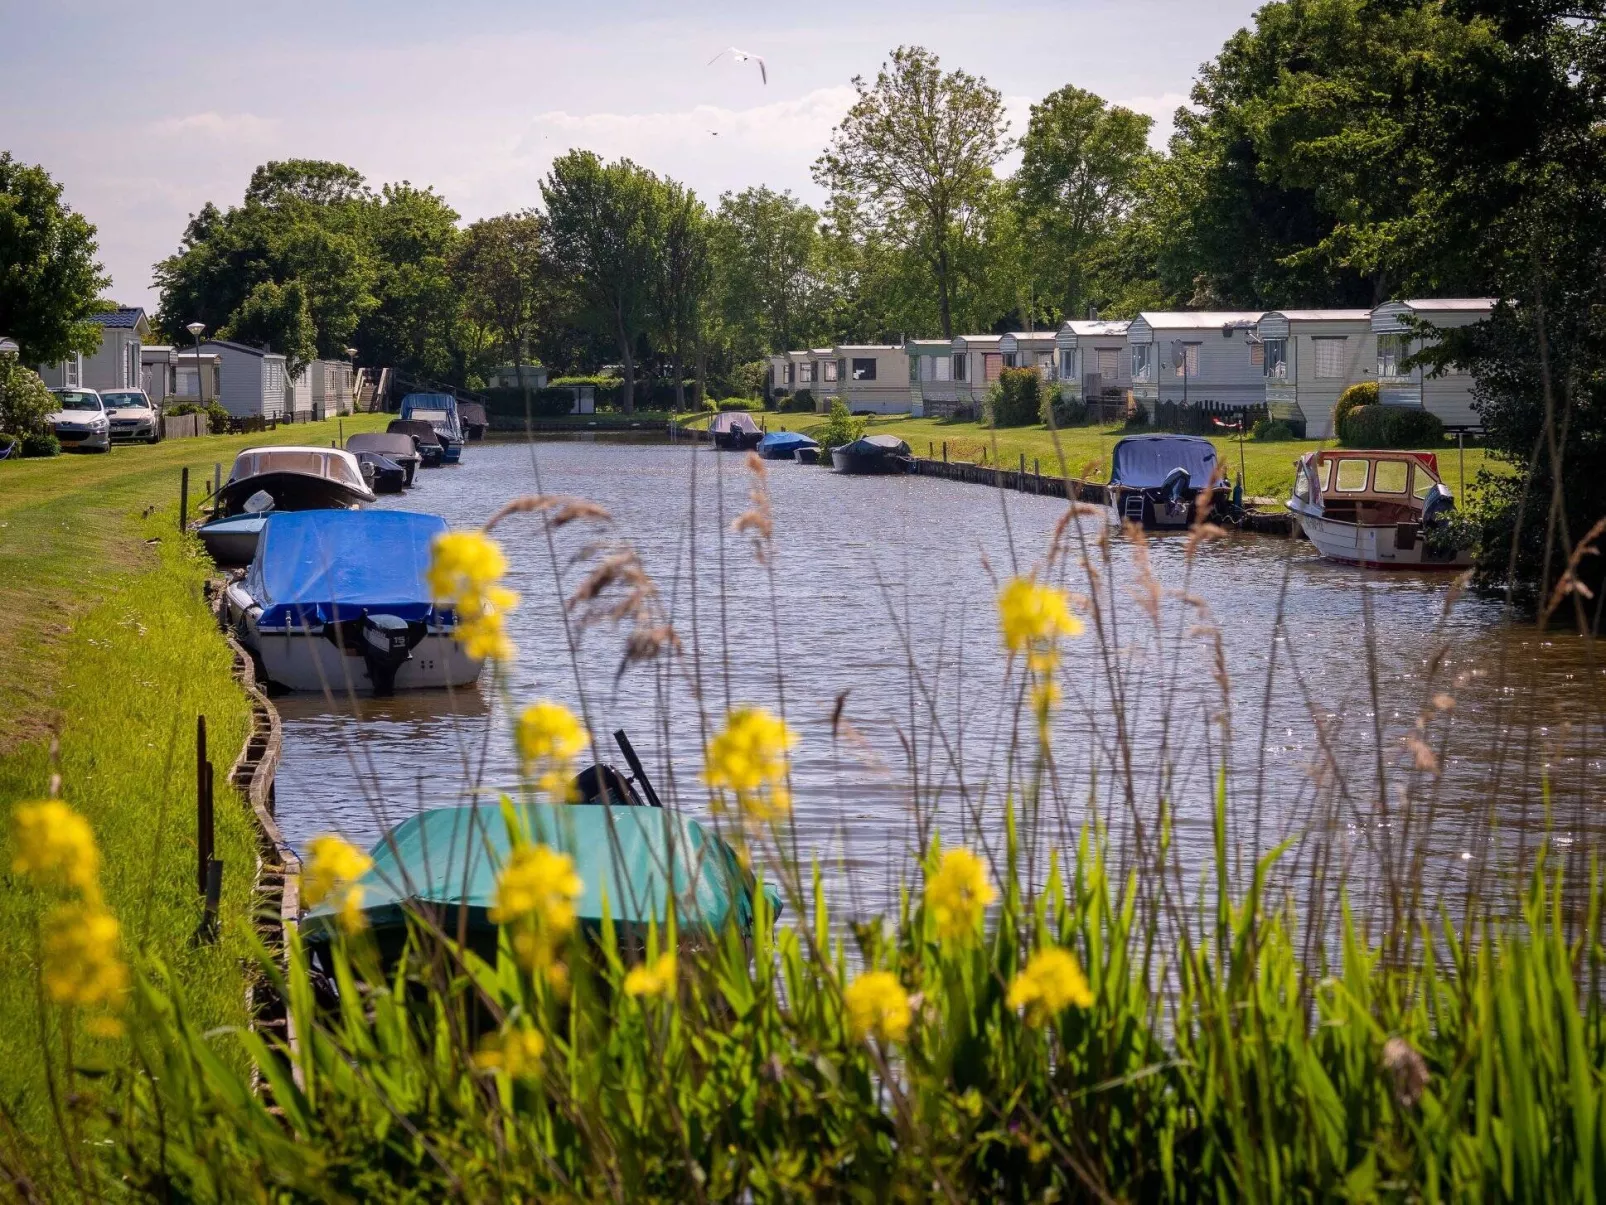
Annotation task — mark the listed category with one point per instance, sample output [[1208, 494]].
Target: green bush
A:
[[800, 402], [544, 403], [41, 443], [1272, 430], [1139, 417], [1016, 398], [735, 403], [1069, 412], [180, 410], [1362, 394], [841, 427], [24, 400], [1376, 426], [217, 418]]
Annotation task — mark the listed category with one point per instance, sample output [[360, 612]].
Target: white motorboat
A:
[[1378, 510], [337, 600]]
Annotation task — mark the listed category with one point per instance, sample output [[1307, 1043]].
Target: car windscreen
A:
[[79, 401], [117, 400]]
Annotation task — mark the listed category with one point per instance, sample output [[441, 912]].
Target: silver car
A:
[[80, 421], [131, 415]]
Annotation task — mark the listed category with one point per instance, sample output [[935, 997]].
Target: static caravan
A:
[[1093, 359], [1029, 349], [871, 378], [780, 373], [1199, 355], [1449, 395], [298, 395], [933, 391], [116, 364], [1309, 358], [197, 386], [158, 372], [253, 379], [978, 361], [333, 386]]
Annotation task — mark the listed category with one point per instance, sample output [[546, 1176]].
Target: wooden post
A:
[[202, 775], [340, 425], [206, 933], [945, 451], [217, 477], [183, 497], [1461, 451], [931, 450]]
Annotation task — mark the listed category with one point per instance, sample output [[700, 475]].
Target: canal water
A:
[[870, 621]]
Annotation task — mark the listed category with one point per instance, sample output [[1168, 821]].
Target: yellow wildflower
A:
[[349, 913], [55, 847], [516, 1051], [535, 894], [748, 758], [549, 736], [1051, 982], [655, 979], [463, 565], [1032, 617], [332, 865], [81, 962], [878, 1005], [958, 894]]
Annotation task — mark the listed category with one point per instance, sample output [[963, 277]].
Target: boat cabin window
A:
[[1302, 484], [430, 416], [292, 460], [1389, 476], [1422, 481], [1352, 475]]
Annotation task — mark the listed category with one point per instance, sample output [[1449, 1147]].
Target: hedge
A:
[[1375, 426]]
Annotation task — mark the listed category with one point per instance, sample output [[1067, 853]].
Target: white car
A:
[[81, 421], [131, 415]]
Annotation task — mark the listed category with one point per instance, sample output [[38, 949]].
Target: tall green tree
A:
[[685, 282], [415, 322], [50, 280], [279, 317], [767, 247], [499, 270], [604, 230], [1081, 163], [914, 158]]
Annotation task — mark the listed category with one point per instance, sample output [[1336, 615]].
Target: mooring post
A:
[[206, 933], [200, 802], [945, 451], [217, 477], [340, 426], [183, 497], [931, 450]]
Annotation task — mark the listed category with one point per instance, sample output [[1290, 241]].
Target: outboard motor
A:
[[1438, 502], [384, 643], [1176, 485]]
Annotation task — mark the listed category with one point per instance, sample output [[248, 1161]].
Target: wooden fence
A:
[[183, 426], [1198, 418]]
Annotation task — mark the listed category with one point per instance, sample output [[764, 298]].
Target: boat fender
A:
[[384, 643]]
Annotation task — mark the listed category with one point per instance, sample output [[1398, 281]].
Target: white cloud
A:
[[1163, 109], [246, 127]]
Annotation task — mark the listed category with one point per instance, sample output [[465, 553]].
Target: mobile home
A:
[[1449, 395], [1310, 357], [158, 372], [116, 364], [1202, 356], [933, 391], [1093, 359], [871, 378], [253, 379]]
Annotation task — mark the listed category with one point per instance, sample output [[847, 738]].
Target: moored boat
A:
[[383, 475], [431, 452], [265, 481], [783, 445], [873, 454], [232, 542], [735, 431], [807, 455], [630, 861], [1164, 481], [439, 410], [337, 600], [1378, 510], [396, 446], [474, 419]]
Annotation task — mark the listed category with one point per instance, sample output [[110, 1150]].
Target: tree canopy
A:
[[50, 280]]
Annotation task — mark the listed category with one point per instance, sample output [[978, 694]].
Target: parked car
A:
[[131, 414], [81, 420]]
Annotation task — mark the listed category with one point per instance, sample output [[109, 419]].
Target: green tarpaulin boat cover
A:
[[447, 857]]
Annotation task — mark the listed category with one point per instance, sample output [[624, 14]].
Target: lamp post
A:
[[195, 329], [351, 362]]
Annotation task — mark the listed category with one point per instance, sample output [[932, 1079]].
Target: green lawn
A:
[[1268, 467], [106, 643]]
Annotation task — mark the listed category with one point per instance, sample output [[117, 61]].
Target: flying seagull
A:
[[742, 56]]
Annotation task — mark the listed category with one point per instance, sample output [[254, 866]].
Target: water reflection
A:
[[880, 595]]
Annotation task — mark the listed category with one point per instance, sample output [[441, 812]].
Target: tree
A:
[[1081, 163], [499, 271], [50, 281], [767, 246], [276, 316], [685, 278], [415, 322], [914, 158], [603, 226], [25, 403]]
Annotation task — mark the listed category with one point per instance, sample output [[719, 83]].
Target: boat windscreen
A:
[[318, 566], [311, 462], [1144, 461]]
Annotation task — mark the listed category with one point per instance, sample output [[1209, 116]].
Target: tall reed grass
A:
[[1072, 1011]]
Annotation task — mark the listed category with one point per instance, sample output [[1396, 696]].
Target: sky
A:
[[146, 111]]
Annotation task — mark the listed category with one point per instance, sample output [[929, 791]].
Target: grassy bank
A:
[[106, 645], [1268, 467]]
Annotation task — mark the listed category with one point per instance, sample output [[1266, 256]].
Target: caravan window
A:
[[959, 366], [991, 365], [1257, 355], [1391, 353], [805, 374], [914, 368], [1330, 357], [942, 368], [1276, 359], [864, 369], [1187, 363], [1009, 359], [830, 370], [1109, 360], [1142, 361], [1068, 364]]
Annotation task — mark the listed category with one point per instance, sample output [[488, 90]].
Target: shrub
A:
[[1363, 394], [180, 410], [1272, 430], [24, 400], [1138, 417], [40, 443], [840, 428], [1069, 412], [799, 402], [217, 418], [508, 402], [1374, 426], [1016, 398], [735, 403]]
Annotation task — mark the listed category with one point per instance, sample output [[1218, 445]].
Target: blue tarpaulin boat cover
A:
[[733, 421], [785, 441], [319, 566], [1143, 461], [626, 856], [434, 401]]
